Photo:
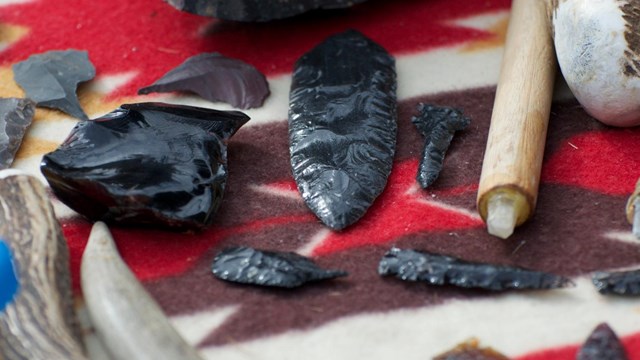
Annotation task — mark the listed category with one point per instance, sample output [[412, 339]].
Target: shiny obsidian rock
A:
[[148, 164]]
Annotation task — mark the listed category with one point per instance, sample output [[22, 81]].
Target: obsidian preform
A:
[[268, 268], [602, 344], [620, 283], [216, 78], [412, 265], [437, 125], [342, 126], [257, 10], [15, 117], [50, 79], [146, 164]]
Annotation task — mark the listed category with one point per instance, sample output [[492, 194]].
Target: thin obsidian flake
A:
[[256, 10], [15, 117], [437, 125], [342, 126], [619, 283], [148, 164], [268, 268], [51, 79], [215, 78], [412, 265]]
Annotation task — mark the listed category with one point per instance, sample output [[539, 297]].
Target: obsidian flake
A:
[[602, 344], [15, 117], [50, 79], [342, 126], [412, 265], [148, 164], [437, 125], [620, 283], [215, 78], [257, 10], [268, 268]]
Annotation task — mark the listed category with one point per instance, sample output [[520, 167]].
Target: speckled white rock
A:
[[597, 43]]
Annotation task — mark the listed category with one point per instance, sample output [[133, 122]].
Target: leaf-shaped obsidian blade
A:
[[145, 164], [268, 268], [342, 126]]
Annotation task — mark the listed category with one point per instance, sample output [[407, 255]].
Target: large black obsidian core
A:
[[146, 164]]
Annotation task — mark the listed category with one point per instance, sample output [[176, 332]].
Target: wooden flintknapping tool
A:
[[515, 147], [38, 321]]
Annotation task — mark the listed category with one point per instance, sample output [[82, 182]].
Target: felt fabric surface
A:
[[448, 53]]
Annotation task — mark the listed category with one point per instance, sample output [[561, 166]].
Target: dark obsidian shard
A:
[[412, 265], [15, 117], [215, 78], [146, 164], [471, 350], [620, 283], [437, 125], [257, 10], [602, 344], [342, 126], [268, 268], [50, 79]]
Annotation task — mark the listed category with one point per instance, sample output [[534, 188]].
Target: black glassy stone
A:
[[602, 344], [412, 265], [619, 283], [268, 268], [256, 10], [50, 79], [437, 125], [145, 164], [342, 126], [15, 117], [216, 78]]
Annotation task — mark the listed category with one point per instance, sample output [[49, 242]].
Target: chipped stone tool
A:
[[15, 117]]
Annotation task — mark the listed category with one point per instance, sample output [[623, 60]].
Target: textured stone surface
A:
[[342, 126], [620, 283], [146, 164], [602, 344], [15, 117], [51, 79]]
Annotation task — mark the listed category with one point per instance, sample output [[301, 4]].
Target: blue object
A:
[[8, 279]]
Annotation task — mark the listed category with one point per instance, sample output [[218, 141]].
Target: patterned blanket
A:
[[447, 53]]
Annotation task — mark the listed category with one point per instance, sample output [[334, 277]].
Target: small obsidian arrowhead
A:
[[215, 78], [342, 126], [256, 10], [268, 268], [602, 344], [149, 164], [50, 79], [15, 117], [437, 125]]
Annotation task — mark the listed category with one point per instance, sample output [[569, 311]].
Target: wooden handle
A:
[[40, 322], [515, 146]]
